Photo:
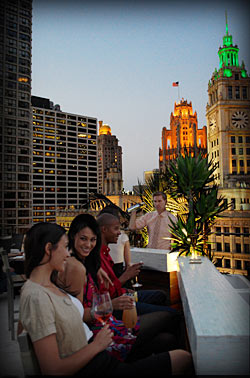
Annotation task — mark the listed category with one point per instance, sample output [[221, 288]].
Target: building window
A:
[[237, 230], [237, 264], [218, 262], [248, 151], [238, 248], [246, 231], [244, 93], [227, 247], [218, 247], [241, 163], [218, 230], [237, 92], [240, 151], [233, 151], [246, 248], [240, 139], [233, 163], [230, 92], [227, 263], [226, 230]]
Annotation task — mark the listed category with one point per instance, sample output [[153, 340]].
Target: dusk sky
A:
[[116, 61]]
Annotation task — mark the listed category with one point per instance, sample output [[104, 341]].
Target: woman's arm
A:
[[104, 278], [49, 359]]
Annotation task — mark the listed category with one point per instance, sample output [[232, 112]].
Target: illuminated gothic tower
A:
[[109, 162], [183, 135], [228, 116]]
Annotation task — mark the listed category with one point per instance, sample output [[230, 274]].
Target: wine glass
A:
[[129, 318], [102, 307], [136, 285]]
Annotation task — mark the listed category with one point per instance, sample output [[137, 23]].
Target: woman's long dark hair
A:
[[35, 241], [93, 261]]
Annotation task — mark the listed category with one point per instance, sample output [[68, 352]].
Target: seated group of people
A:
[[63, 272]]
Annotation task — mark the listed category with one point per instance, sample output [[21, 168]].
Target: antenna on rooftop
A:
[[226, 23]]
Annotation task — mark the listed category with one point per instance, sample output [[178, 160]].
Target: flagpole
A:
[[176, 84]]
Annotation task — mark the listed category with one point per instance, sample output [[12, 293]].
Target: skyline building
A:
[[228, 113], [15, 116], [183, 135], [109, 162], [64, 159]]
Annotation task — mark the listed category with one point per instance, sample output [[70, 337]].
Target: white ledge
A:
[[217, 319], [155, 259]]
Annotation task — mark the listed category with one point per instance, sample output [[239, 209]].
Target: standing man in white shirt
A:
[[157, 223]]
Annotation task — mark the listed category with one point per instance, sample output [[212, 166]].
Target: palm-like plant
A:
[[191, 178]]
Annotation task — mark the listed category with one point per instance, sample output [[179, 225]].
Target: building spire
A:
[[226, 23], [228, 54]]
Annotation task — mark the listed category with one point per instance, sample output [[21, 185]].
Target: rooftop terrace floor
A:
[[10, 361]]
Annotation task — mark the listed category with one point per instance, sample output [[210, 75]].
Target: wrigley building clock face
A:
[[240, 119], [212, 123]]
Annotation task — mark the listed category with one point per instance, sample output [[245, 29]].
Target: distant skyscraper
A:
[[15, 115], [183, 135], [64, 159], [228, 114], [109, 162]]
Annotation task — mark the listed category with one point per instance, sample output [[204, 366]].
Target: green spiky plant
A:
[[192, 178]]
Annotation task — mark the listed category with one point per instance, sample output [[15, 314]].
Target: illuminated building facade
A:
[[109, 162], [183, 135], [124, 201], [64, 159], [15, 116], [148, 175], [228, 113]]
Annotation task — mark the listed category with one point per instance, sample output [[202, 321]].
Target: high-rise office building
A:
[[64, 159], [15, 115], [109, 162], [183, 135], [228, 113]]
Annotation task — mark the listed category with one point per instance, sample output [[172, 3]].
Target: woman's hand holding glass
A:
[[102, 307]]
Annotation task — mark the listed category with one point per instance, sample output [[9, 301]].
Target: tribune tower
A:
[[183, 136]]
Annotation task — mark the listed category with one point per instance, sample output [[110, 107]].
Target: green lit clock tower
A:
[[228, 144]]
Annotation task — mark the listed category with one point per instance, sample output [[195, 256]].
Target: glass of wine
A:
[[102, 307], [136, 285], [129, 318]]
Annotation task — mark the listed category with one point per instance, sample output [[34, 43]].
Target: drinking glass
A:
[[136, 285], [102, 307], [129, 318]]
